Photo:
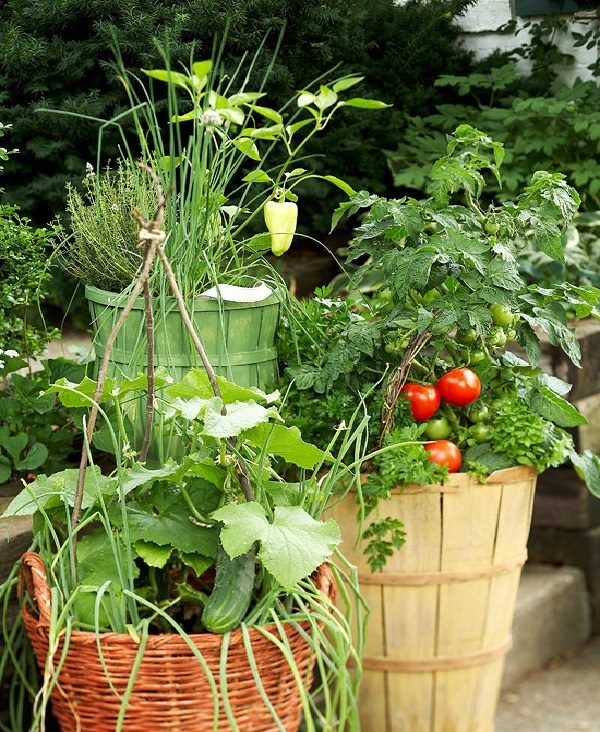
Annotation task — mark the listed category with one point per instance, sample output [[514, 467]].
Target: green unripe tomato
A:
[[492, 227], [497, 338], [466, 337], [478, 413], [390, 347], [480, 432], [438, 429], [476, 357], [501, 315], [511, 334]]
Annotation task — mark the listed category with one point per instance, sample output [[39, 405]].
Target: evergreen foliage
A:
[[59, 55]]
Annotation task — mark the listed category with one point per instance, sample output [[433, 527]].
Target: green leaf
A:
[[173, 77], [292, 129], [80, 395], [5, 469], [348, 190], [325, 98], [240, 416], [37, 455], [234, 115], [365, 103], [196, 384], [49, 492], [138, 475], [197, 562], [257, 176], [153, 554], [484, 455], [247, 147], [139, 383], [268, 114], [305, 99], [554, 408], [286, 442], [202, 69], [587, 466], [13, 444], [166, 520], [258, 243], [291, 548], [245, 98], [346, 83]]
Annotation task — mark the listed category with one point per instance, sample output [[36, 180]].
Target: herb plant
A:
[[102, 248]]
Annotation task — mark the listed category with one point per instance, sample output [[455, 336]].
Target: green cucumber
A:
[[232, 593]]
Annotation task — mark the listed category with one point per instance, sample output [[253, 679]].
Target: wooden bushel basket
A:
[[442, 607], [171, 691]]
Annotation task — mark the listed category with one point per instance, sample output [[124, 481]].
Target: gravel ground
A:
[[563, 697]]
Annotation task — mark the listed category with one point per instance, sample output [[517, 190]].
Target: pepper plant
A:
[[226, 156], [451, 314]]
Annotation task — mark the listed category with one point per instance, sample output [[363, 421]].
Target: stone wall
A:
[[482, 21]]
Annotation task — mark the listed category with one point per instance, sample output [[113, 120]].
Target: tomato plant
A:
[[424, 400], [444, 452], [459, 387]]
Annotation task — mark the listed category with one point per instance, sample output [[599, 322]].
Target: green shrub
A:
[[23, 276]]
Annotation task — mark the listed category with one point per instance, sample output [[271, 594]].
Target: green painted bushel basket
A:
[[239, 338]]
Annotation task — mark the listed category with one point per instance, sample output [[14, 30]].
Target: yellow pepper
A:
[[281, 218]]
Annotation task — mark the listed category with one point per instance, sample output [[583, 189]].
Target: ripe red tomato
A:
[[424, 400], [444, 452], [459, 387]]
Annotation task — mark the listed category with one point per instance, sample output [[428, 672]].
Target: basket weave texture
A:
[[171, 690]]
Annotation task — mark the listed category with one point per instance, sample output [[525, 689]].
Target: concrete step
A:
[[552, 617], [562, 697]]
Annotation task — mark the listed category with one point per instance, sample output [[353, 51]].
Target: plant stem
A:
[[102, 373], [149, 320]]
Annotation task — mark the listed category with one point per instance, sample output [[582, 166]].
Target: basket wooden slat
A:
[[171, 691], [442, 607]]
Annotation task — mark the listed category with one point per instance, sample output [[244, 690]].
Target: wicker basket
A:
[[171, 691], [442, 607]]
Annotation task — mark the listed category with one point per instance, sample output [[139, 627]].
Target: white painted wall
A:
[[481, 22]]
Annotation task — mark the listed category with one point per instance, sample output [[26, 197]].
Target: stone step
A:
[[15, 533], [552, 617]]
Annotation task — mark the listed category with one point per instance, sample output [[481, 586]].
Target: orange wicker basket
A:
[[171, 691]]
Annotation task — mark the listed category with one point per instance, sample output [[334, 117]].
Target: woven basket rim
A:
[[40, 592]]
